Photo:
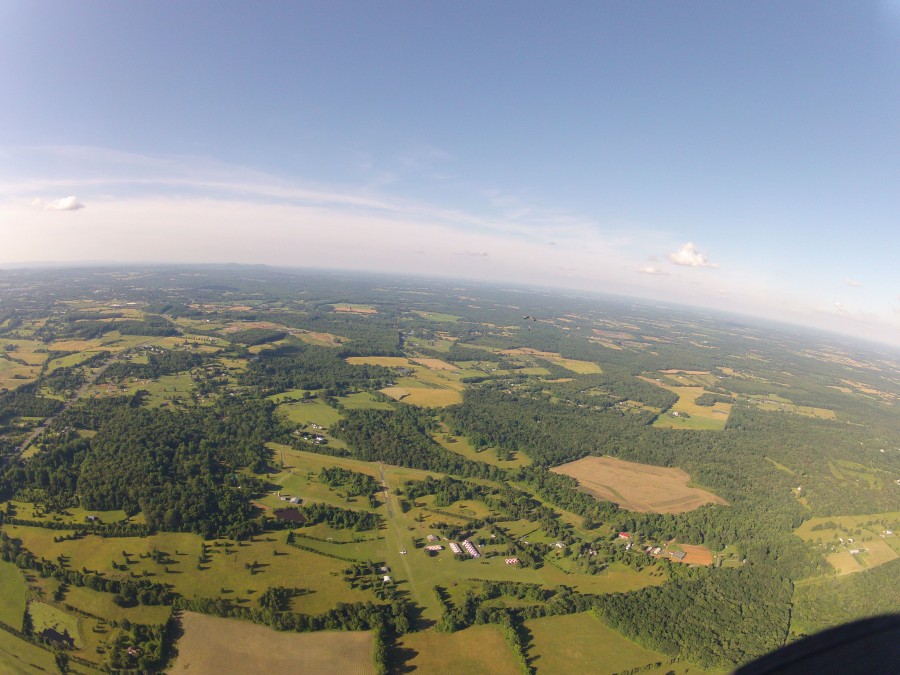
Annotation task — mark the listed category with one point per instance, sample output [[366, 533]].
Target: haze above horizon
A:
[[736, 157]]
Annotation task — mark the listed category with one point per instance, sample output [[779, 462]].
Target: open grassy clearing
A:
[[310, 411], [478, 649], [300, 478], [855, 543], [698, 416], [870, 526], [775, 403], [638, 487], [101, 604], [576, 366], [860, 474], [13, 376], [354, 308], [18, 657], [74, 514], [433, 385], [227, 568], [438, 317], [46, 617], [214, 645], [12, 595], [581, 643], [844, 562], [363, 401], [462, 446]]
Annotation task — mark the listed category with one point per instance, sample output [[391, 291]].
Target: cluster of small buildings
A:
[[289, 499]]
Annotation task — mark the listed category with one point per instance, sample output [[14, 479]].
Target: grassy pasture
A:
[[101, 604], [312, 411], [354, 308], [74, 514], [776, 403], [844, 562], [12, 595], [478, 649], [462, 446], [638, 487], [877, 552], [278, 565], [701, 417], [44, 616], [18, 657], [581, 643], [299, 478], [363, 401], [214, 645], [438, 317], [425, 386], [871, 525]]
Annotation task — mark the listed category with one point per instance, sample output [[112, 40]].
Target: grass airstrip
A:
[[638, 487]]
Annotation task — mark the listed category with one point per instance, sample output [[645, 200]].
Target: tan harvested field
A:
[[214, 645], [247, 325], [355, 309], [424, 396], [435, 364], [638, 487], [576, 366], [844, 562], [878, 552], [386, 361], [477, 650], [696, 555]]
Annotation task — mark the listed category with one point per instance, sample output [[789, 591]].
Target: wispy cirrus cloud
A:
[[853, 283]]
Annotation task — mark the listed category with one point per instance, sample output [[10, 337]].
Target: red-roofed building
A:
[[624, 535]]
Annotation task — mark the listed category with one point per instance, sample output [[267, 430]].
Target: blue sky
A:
[[743, 156]]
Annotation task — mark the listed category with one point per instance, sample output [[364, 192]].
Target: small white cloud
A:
[[652, 269], [853, 283], [473, 254], [69, 203], [689, 256]]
